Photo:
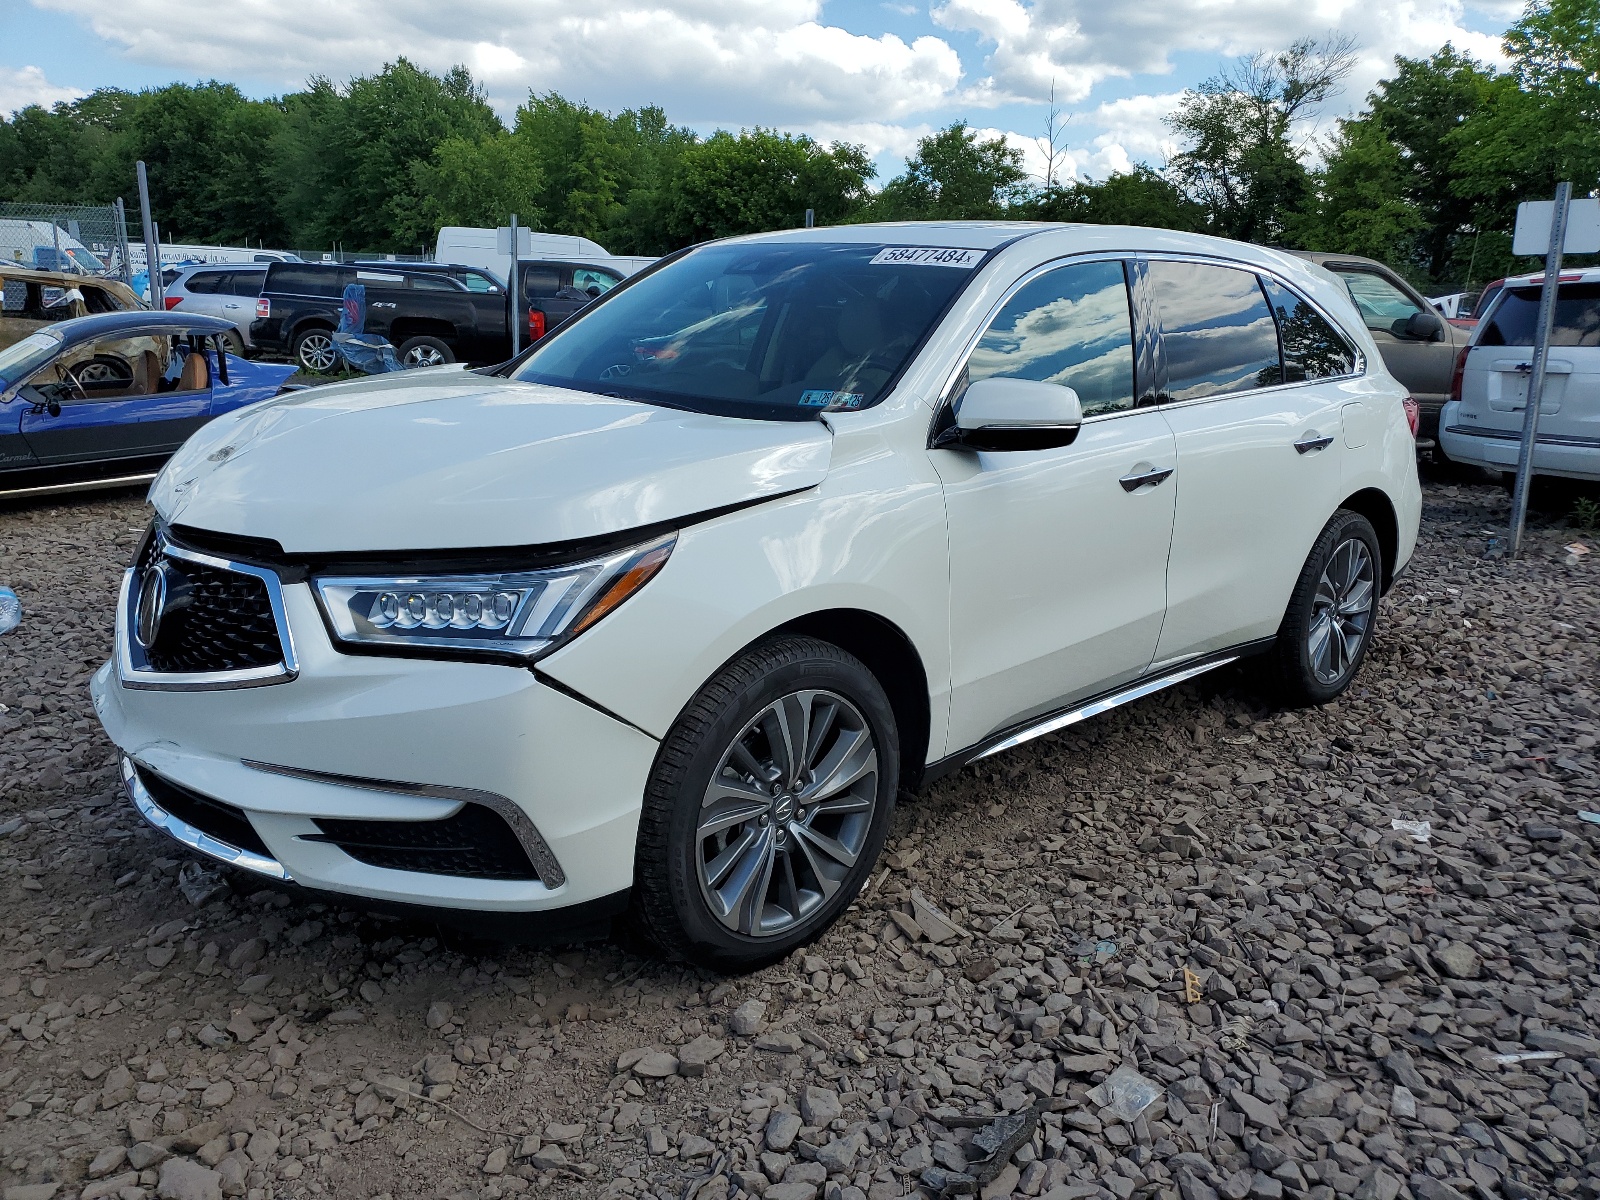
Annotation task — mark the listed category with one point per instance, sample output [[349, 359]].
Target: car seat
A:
[[196, 373]]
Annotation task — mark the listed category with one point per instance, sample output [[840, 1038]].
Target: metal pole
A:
[[55, 237], [811, 218], [124, 266], [152, 255], [1541, 354], [517, 315]]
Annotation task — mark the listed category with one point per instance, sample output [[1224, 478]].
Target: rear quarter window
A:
[[1516, 317], [1312, 347]]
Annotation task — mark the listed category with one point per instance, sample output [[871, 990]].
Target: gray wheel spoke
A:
[[848, 762], [729, 803], [788, 728], [1341, 611], [846, 803], [717, 869], [825, 880], [835, 850]]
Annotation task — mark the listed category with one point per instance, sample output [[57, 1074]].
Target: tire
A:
[[687, 894], [313, 350], [1332, 614], [425, 352], [235, 342]]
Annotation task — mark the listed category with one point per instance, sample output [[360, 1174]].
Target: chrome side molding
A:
[[527, 833], [82, 485], [1104, 704], [180, 830]]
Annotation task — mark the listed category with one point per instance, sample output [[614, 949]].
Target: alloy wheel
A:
[[316, 353], [422, 356], [787, 813], [1341, 610]]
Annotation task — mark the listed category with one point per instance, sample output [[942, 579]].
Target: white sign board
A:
[[502, 241], [1533, 227]]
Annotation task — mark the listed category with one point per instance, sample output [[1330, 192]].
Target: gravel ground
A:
[[1183, 946]]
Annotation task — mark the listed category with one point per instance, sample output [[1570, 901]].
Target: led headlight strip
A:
[[520, 613]]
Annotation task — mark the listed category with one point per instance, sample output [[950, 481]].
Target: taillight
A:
[[1413, 414], [263, 307], [1460, 371], [173, 302], [535, 325]]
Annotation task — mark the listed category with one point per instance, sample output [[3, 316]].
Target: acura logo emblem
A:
[[152, 605]]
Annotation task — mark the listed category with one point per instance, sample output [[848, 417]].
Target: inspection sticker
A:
[[927, 256], [831, 401]]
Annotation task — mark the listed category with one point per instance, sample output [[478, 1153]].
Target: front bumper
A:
[[367, 738]]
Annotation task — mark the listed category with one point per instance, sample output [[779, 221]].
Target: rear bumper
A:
[[1497, 449]]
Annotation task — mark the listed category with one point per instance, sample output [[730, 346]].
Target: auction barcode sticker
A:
[[927, 256]]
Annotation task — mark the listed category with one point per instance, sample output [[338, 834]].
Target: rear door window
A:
[[1069, 326], [1217, 331], [540, 283], [1577, 318], [206, 283], [309, 280], [246, 283], [1312, 348]]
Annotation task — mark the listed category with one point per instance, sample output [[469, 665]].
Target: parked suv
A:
[[663, 614], [1483, 421], [1418, 345], [431, 315], [228, 291]]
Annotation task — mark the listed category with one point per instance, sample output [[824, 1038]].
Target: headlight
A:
[[521, 613]]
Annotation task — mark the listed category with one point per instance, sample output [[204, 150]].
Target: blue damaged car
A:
[[104, 400]]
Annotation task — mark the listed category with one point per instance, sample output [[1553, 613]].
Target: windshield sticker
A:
[[926, 256], [832, 401]]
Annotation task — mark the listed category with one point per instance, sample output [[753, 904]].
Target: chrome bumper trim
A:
[[527, 833], [180, 830], [82, 485]]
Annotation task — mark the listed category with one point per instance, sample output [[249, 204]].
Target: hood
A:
[[447, 459]]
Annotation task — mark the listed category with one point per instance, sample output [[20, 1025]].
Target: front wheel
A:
[[767, 807], [1332, 613]]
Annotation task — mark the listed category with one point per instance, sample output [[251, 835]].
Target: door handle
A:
[[1311, 443], [233, 306], [1132, 483]]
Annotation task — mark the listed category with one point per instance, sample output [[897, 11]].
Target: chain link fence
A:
[[87, 239]]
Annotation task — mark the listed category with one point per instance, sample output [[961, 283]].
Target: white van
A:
[[467, 247], [1482, 423]]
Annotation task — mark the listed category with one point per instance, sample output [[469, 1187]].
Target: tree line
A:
[[1426, 176]]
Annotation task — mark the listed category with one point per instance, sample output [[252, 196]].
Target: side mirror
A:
[[1014, 414], [1424, 327]]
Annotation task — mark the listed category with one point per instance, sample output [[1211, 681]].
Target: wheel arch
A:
[[889, 654], [1374, 504]]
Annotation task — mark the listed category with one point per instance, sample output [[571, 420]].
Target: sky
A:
[[881, 73]]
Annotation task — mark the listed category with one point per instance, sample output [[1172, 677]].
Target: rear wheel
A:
[[313, 351], [235, 343], [425, 352], [768, 805], [1332, 613]]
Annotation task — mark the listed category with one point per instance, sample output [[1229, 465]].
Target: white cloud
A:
[[22, 86], [735, 62]]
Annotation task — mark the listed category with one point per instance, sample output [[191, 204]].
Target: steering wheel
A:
[[68, 382], [616, 371]]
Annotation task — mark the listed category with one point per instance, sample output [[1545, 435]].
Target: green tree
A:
[[1418, 110], [761, 179], [1241, 163], [1364, 207], [1138, 197], [475, 183], [953, 176]]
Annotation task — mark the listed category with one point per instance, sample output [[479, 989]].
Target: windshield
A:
[[774, 331], [19, 361]]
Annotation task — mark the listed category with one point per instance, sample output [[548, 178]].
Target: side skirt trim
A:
[[1016, 735]]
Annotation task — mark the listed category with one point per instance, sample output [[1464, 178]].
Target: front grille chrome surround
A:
[[134, 667]]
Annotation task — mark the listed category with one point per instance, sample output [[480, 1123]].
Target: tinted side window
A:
[[205, 283], [1069, 326], [1312, 348], [1577, 320], [247, 283], [540, 282], [1384, 307], [309, 280], [1218, 333]]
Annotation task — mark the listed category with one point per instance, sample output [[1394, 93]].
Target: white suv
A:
[[666, 613], [1482, 423]]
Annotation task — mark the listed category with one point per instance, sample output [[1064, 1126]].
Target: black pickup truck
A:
[[432, 312]]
